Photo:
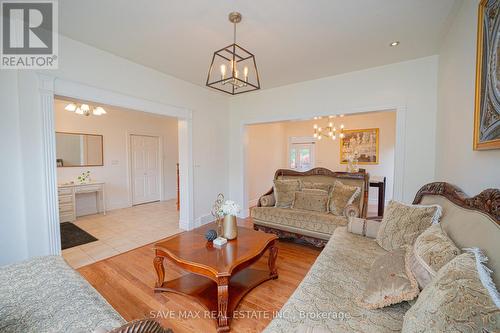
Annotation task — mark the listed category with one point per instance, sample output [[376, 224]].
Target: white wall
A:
[[266, 149], [13, 245], [409, 86], [115, 127], [81, 63], [456, 161]]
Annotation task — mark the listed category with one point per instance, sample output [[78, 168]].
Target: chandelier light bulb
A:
[[330, 124], [341, 135], [85, 107], [319, 137], [342, 126], [315, 126], [70, 107], [78, 111], [333, 137], [315, 135], [319, 129], [99, 111], [223, 71]]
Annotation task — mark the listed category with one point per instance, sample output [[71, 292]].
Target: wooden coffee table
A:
[[218, 278]]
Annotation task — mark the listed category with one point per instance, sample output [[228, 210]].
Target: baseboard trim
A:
[[202, 220]]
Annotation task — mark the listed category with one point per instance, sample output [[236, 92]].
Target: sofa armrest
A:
[[363, 227], [267, 200]]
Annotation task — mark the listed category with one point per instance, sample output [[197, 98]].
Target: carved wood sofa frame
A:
[[487, 202], [362, 175]]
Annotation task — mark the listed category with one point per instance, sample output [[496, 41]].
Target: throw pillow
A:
[[313, 200], [390, 281], [402, 224], [342, 195], [461, 298], [284, 191], [432, 250], [317, 186]]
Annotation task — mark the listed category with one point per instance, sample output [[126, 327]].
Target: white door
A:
[[145, 168]]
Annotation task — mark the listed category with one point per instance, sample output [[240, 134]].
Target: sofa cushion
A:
[[284, 191], [390, 281], [330, 180], [455, 301], [402, 224], [303, 219], [312, 199], [317, 186], [342, 195], [431, 251], [327, 296], [44, 294]]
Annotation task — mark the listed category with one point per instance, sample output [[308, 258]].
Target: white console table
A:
[[67, 199]]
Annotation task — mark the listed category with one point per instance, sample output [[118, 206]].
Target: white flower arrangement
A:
[[229, 207]]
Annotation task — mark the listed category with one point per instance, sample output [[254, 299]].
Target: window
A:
[[301, 154]]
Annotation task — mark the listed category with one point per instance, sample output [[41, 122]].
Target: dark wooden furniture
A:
[[380, 184], [486, 202], [361, 175], [218, 278]]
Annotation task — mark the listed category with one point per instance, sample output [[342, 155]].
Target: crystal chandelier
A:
[[225, 73], [330, 131], [85, 109]]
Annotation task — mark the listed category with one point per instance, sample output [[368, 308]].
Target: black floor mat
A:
[[72, 236]]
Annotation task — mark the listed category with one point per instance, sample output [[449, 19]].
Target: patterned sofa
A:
[[313, 227], [45, 295], [326, 300]]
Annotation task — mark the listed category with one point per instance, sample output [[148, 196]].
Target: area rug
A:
[[72, 236]]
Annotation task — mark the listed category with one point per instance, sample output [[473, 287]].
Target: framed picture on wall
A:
[[487, 105], [363, 142]]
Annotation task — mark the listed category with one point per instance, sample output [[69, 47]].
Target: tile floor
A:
[[122, 230]]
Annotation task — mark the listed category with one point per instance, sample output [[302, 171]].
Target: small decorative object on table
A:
[[84, 178], [210, 235], [229, 210], [217, 214]]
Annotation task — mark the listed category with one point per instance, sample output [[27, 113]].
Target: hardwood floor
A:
[[127, 280]]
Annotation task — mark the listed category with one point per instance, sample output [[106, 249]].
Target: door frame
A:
[[49, 86], [129, 165], [399, 149]]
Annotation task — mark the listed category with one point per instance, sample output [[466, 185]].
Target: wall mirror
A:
[[79, 149]]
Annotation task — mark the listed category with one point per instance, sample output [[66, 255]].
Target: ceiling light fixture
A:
[[330, 130], [224, 72], [395, 43], [85, 109]]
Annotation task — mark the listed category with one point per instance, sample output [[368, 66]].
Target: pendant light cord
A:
[[234, 40]]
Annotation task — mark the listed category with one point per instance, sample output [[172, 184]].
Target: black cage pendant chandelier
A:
[[233, 69]]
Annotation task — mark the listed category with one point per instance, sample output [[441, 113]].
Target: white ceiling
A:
[[293, 40]]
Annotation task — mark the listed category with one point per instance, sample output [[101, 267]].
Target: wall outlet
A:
[[115, 162]]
